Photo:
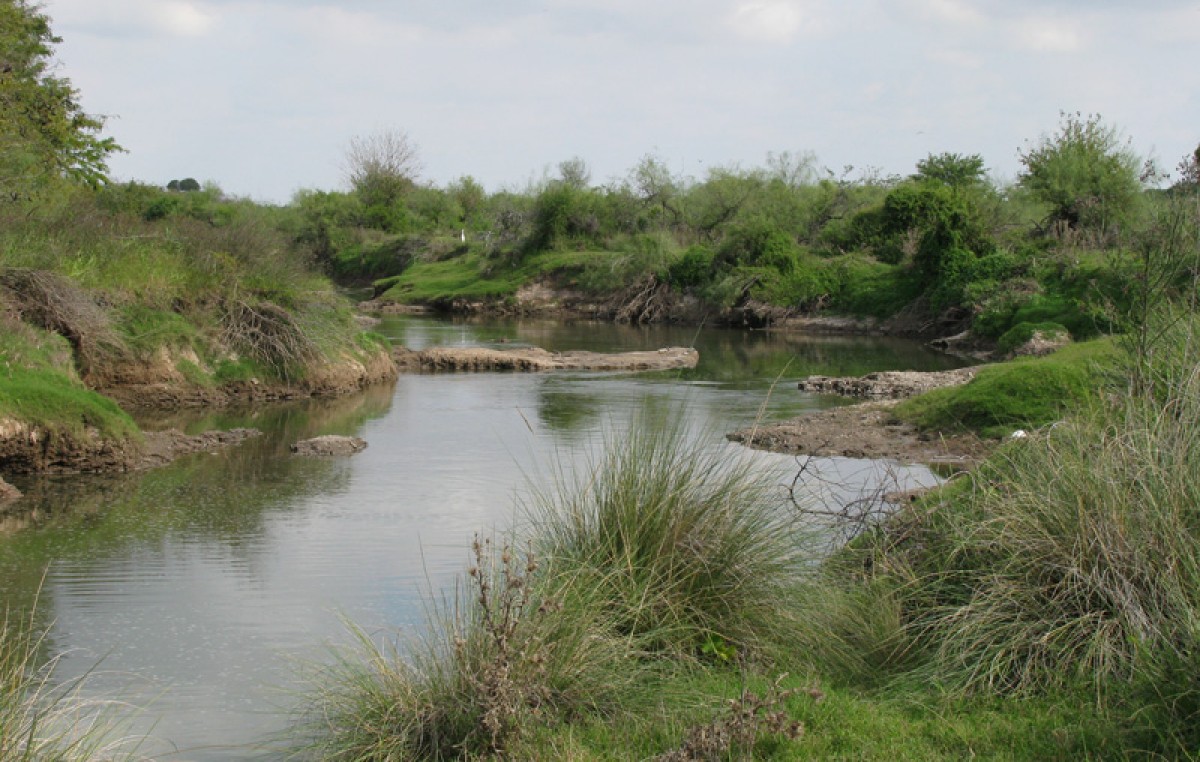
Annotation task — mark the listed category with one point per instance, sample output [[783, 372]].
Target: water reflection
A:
[[194, 585]]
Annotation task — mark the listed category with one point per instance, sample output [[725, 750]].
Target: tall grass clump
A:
[[1075, 553], [41, 720], [504, 654], [685, 545]]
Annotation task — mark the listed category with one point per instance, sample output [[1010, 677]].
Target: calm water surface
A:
[[192, 591]]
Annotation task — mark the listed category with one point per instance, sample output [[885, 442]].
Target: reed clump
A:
[[686, 544]]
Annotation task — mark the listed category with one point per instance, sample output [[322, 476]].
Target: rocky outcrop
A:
[[1042, 342], [533, 359], [330, 445], [888, 384]]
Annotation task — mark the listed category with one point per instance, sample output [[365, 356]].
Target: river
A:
[[193, 592]]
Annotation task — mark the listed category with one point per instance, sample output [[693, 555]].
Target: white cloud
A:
[[1049, 35], [182, 18], [775, 21], [950, 11]]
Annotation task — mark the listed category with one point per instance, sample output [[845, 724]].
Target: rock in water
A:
[[329, 445]]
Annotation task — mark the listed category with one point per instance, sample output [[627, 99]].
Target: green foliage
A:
[[564, 216], [1024, 393], [1085, 173], [45, 136], [1022, 332], [758, 243], [693, 269], [953, 169]]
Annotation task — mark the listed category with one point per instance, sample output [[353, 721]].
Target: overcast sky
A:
[[262, 96]]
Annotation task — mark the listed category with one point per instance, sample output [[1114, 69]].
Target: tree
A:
[[575, 173], [382, 167], [952, 169], [1086, 173], [45, 136]]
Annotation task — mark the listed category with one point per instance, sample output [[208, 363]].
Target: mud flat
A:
[[870, 429]]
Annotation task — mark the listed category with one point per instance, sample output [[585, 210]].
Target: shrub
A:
[[758, 244], [1085, 173], [693, 269], [680, 543]]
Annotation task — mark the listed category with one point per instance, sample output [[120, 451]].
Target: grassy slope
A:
[[1023, 393], [38, 385]]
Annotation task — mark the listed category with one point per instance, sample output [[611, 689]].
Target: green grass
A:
[[473, 276], [853, 724], [1019, 394], [52, 401]]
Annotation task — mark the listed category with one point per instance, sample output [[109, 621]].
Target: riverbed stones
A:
[[330, 445]]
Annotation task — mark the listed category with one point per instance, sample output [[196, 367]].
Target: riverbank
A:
[[864, 430]]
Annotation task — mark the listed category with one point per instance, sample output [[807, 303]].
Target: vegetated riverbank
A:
[[943, 417], [99, 307]]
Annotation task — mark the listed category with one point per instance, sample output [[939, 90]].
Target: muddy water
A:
[[191, 591]]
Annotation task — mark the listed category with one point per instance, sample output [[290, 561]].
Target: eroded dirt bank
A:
[[26, 449]]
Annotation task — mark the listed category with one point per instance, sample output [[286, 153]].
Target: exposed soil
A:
[[166, 392], [535, 359], [866, 430], [869, 429], [30, 449]]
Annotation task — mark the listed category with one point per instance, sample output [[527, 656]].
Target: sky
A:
[[262, 97]]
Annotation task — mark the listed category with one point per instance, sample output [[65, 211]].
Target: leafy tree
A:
[[382, 168], [575, 173], [1085, 173], [45, 136], [656, 186], [952, 169], [470, 196]]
